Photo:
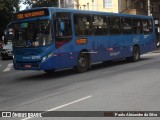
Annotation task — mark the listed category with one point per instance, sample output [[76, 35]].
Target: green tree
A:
[[41, 3], [7, 9]]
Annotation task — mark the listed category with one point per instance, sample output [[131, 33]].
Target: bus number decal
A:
[[81, 41]]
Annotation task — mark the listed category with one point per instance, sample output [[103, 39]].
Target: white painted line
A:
[[56, 108], [8, 68], [69, 103]]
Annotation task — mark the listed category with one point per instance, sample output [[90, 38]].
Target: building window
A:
[[142, 5], [108, 3], [152, 7]]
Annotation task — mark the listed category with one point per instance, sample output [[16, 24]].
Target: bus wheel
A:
[[49, 71], [83, 63], [136, 54]]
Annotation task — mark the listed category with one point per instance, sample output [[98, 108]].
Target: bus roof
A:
[[53, 9]]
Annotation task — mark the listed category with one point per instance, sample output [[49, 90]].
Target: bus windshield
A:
[[32, 34]]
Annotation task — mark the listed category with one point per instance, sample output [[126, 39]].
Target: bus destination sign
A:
[[31, 14]]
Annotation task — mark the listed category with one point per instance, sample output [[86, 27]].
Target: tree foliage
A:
[[7, 9], [41, 3]]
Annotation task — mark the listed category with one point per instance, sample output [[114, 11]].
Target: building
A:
[[144, 7], [134, 7], [99, 5], [68, 3]]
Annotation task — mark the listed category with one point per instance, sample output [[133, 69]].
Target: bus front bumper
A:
[[35, 65]]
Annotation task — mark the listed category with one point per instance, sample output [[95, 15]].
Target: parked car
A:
[[6, 51]]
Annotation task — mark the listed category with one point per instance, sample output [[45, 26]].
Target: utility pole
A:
[[59, 3], [149, 8]]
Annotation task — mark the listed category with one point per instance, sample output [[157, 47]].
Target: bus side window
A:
[[137, 26], [145, 24], [127, 26], [62, 24], [114, 25], [150, 26], [100, 25], [82, 24], [66, 31], [63, 28]]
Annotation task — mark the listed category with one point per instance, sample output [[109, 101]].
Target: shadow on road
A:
[[68, 72]]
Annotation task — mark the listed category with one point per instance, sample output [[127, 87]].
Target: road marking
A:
[[8, 68], [56, 108], [69, 103]]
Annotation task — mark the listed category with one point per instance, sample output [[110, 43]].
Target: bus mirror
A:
[[62, 27]]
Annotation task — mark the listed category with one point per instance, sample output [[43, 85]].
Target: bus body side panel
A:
[[148, 43], [128, 46], [99, 47], [67, 55], [145, 42], [117, 47]]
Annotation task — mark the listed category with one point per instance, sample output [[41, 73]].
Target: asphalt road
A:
[[118, 86]]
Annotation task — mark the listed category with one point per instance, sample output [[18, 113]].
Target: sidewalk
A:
[[157, 50]]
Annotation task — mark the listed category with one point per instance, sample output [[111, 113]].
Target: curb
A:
[[157, 50]]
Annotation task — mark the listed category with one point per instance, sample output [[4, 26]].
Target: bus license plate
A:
[[27, 66]]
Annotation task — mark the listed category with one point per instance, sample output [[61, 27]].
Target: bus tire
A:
[[83, 63], [135, 54]]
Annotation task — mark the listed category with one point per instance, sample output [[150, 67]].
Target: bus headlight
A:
[[44, 58], [47, 56]]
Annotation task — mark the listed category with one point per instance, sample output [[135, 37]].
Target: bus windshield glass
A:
[[32, 34]]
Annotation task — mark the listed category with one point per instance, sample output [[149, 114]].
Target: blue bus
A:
[[56, 38]]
